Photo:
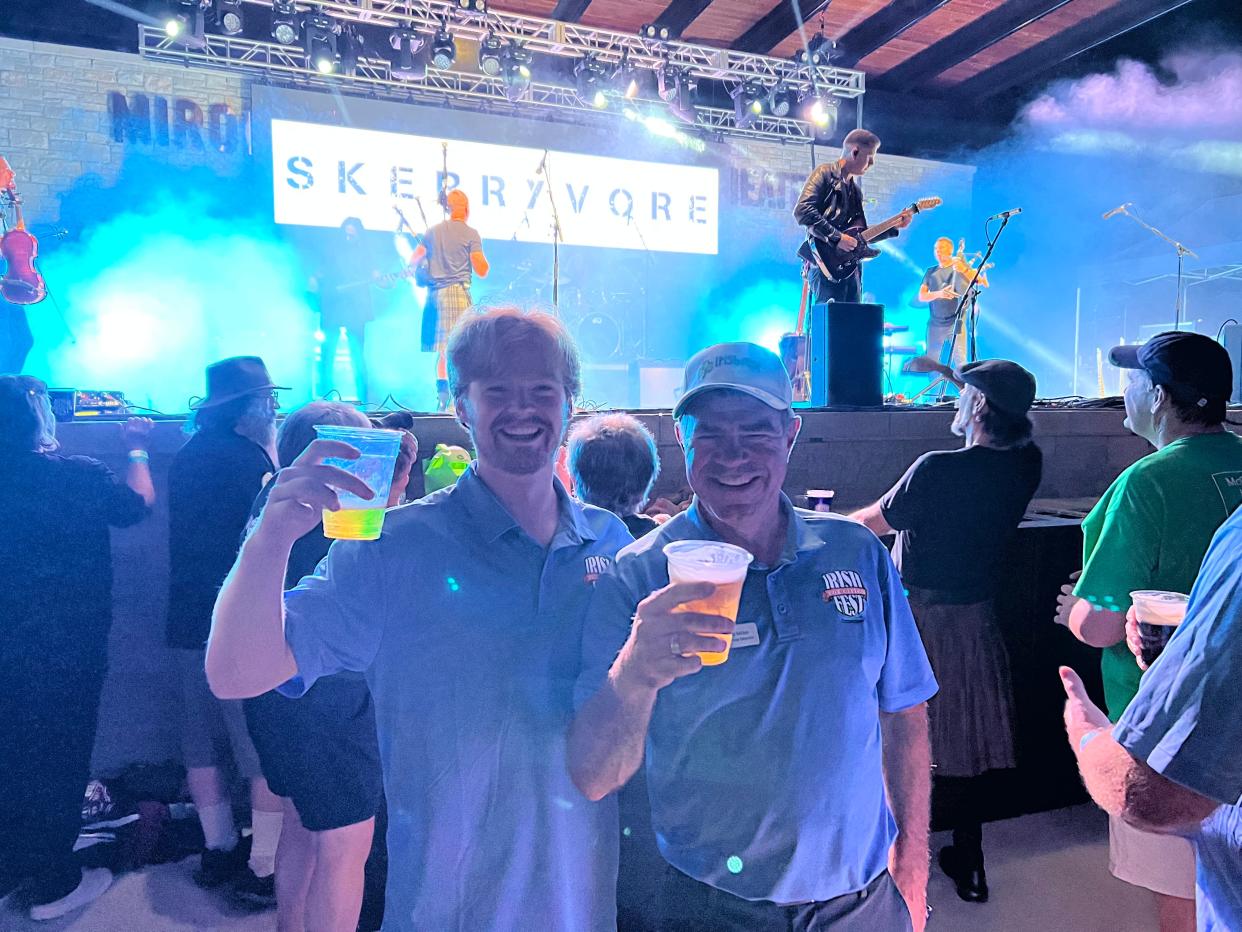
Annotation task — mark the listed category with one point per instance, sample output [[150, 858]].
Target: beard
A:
[[258, 424]]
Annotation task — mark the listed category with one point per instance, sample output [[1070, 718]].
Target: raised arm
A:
[[247, 654]]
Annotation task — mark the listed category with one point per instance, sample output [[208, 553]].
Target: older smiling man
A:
[[787, 783]]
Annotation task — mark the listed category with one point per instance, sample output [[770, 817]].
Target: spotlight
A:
[[817, 51], [677, 88], [229, 17], [321, 31], [623, 82], [284, 22], [822, 114], [515, 70], [590, 76], [185, 22], [405, 42], [747, 102], [443, 49], [489, 54], [781, 99], [655, 32], [351, 49], [476, 7]]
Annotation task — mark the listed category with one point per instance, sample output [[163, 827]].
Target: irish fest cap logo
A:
[[846, 591]]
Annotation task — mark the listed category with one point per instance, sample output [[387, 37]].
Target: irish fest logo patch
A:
[[845, 590], [596, 566]]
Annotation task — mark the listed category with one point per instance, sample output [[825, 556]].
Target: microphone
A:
[[1116, 210], [1006, 214], [542, 163]]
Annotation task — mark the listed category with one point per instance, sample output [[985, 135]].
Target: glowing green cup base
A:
[[353, 523]]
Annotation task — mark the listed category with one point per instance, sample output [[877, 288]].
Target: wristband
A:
[[139, 456], [1088, 738]]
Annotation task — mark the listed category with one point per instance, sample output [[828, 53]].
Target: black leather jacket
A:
[[831, 203]]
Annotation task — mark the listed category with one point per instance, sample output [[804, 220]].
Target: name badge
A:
[[745, 635]]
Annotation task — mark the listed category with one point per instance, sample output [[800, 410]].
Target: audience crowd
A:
[[504, 714]]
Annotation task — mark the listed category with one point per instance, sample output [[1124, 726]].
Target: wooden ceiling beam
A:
[[681, 13], [570, 11], [966, 42], [777, 25], [880, 28], [1081, 37]]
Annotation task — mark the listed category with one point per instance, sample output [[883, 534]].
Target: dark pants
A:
[[47, 732], [826, 289], [689, 906], [15, 338]]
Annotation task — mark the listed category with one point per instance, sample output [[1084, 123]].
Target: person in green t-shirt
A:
[[1150, 531]]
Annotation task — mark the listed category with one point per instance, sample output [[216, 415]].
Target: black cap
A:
[[1006, 385], [1194, 368]]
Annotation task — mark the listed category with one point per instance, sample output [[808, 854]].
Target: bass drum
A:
[[598, 336]]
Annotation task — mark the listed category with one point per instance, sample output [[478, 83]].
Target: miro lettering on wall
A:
[[152, 120]]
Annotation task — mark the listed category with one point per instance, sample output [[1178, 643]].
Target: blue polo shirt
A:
[[765, 772], [1185, 723], [469, 633]]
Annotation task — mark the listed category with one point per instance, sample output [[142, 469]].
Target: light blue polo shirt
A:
[[469, 633], [765, 772], [1185, 722]]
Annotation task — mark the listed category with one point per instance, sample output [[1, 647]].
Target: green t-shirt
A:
[[1151, 530]]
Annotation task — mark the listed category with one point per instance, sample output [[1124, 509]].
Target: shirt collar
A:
[[798, 534], [490, 517]]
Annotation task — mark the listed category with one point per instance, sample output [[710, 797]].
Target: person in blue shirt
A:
[[1173, 763], [789, 785], [466, 617]]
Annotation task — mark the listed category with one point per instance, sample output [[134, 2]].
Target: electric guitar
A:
[[837, 263], [382, 281]]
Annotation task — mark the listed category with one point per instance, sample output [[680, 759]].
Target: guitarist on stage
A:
[[344, 284], [831, 203], [455, 253]]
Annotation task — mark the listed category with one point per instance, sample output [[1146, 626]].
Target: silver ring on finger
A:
[[674, 645]]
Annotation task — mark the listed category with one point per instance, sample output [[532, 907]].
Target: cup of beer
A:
[[1158, 613], [361, 518], [710, 561]]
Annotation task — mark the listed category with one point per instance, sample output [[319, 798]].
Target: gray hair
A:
[[27, 423], [298, 429], [613, 461]]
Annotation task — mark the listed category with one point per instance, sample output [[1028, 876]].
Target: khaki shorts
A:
[[1159, 863], [213, 730]]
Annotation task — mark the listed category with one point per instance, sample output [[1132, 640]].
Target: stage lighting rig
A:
[[781, 99], [489, 54], [677, 88], [405, 42], [623, 81], [285, 22], [185, 21], [443, 49], [748, 100], [229, 17], [590, 78], [472, 7], [515, 70], [821, 112], [817, 53], [321, 31], [351, 49], [654, 32]]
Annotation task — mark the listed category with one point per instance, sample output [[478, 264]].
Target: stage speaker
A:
[[846, 343], [1231, 336]]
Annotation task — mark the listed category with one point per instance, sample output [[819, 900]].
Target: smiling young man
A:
[[787, 783], [466, 617]]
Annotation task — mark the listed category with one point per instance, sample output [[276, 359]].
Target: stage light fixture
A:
[[677, 88], [475, 7], [229, 17], [623, 82], [748, 100], [817, 52], [284, 22], [590, 77], [489, 55], [443, 49], [405, 42], [822, 113], [185, 22], [515, 70], [321, 31], [781, 99], [351, 49], [655, 32]]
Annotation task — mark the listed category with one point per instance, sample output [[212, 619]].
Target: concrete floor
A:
[[1047, 873]]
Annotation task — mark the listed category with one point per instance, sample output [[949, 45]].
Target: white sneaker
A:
[[94, 882]]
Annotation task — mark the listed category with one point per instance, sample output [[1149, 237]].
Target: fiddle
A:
[[22, 283]]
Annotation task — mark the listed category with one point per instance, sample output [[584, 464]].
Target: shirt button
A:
[[783, 609]]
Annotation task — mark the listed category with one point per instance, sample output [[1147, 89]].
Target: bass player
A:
[[832, 203]]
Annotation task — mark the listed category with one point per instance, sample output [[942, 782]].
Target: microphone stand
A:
[[971, 295], [556, 241], [1182, 253]]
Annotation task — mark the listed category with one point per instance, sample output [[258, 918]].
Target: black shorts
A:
[[321, 751]]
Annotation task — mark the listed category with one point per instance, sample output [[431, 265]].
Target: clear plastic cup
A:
[[709, 561], [361, 518], [1158, 612]]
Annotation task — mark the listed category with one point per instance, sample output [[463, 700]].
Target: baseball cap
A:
[[743, 367], [1193, 367], [1006, 385]]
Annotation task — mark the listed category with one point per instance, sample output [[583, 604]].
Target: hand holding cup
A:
[[664, 642], [307, 488]]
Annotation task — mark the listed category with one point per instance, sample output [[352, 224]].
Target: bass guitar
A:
[[838, 264], [22, 282]]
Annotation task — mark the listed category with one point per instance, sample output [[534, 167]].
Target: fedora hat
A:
[[233, 378]]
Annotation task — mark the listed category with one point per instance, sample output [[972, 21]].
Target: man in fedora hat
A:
[[213, 480]]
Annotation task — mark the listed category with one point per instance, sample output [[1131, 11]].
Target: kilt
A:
[[446, 305], [971, 717]]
